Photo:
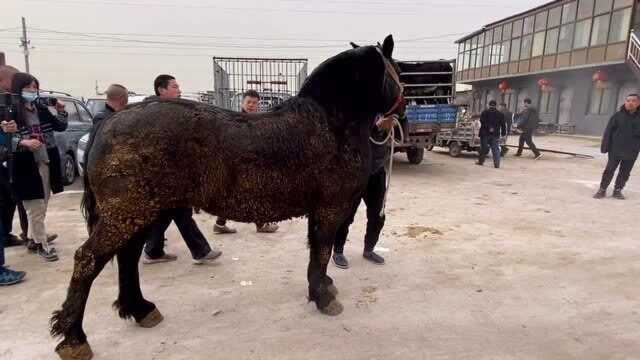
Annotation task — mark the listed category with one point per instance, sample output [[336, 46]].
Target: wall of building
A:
[[570, 101]]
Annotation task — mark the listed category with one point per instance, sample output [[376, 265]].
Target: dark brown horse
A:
[[309, 157]]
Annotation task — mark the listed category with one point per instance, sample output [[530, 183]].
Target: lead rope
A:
[[390, 137]]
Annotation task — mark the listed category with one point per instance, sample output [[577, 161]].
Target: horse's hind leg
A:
[[90, 259], [321, 288], [130, 302]]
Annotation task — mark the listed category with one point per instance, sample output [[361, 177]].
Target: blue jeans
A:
[[486, 143]]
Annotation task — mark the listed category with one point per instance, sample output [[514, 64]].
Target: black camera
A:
[[8, 106], [47, 101]]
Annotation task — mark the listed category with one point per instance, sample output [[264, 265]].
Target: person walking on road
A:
[[492, 126], [528, 121]]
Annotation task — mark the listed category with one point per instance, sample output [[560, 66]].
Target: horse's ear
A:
[[354, 45], [387, 47]]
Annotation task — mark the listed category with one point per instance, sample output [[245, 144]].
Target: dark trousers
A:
[[623, 174], [183, 217], [373, 197], [8, 206], [527, 137], [3, 239], [486, 143]]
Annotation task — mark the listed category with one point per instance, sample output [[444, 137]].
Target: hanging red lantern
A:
[[503, 86], [600, 79], [545, 85]]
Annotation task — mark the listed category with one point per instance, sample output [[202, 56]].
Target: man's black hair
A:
[[527, 101], [634, 94], [251, 93], [162, 81], [492, 103]]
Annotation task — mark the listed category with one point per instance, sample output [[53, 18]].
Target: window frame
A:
[[547, 41], [536, 36], [593, 34], [584, 16], [626, 27], [587, 37]]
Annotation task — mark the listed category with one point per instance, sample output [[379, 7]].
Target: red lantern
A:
[[545, 85], [503, 86], [600, 78]]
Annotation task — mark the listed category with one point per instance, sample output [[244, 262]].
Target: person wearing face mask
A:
[[36, 171]]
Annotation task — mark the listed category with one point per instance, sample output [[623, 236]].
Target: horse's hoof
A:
[[333, 309], [79, 352], [332, 289], [153, 319]]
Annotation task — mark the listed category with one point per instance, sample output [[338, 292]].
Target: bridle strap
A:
[[391, 71]]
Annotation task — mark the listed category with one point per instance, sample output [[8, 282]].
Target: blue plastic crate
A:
[[432, 113]]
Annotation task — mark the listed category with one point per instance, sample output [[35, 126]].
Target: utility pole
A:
[[25, 45]]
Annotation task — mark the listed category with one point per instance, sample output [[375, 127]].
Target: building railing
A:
[[633, 55]]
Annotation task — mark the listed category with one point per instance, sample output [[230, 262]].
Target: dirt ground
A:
[[516, 263]]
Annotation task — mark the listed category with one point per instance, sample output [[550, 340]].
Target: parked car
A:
[[96, 105], [80, 120]]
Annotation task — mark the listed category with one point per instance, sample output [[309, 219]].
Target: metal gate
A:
[[276, 80]]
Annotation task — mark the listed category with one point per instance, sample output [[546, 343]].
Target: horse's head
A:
[[358, 84]]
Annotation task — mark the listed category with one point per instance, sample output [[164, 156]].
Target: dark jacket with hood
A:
[[528, 120], [621, 138], [26, 179], [107, 112], [492, 123]]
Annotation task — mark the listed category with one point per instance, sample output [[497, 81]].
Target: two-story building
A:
[[575, 59]]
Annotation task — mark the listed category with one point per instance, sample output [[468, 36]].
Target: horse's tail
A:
[[88, 205]]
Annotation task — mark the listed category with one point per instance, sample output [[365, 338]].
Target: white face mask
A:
[[29, 96]]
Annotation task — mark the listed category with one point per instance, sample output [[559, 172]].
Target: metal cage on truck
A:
[[275, 79]]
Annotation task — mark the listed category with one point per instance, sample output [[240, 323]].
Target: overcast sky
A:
[[79, 42]]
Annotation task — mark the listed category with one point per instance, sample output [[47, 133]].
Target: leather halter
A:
[[391, 72]]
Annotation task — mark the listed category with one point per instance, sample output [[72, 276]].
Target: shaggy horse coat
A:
[[309, 157]]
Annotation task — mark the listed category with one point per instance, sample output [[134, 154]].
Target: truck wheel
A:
[[455, 149], [415, 155]]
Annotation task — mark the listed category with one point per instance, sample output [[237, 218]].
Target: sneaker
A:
[[51, 238], [10, 277], [340, 261], [617, 194], [538, 157], [223, 229], [479, 163], [268, 228], [212, 255], [49, 256], [517, 155], [373, 257], [601, 194], [162, 259], [32, 246], [13, 240]]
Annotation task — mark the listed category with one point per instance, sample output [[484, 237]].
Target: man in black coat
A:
[[621, 140], [117, 99], [492, 127], [528, 121]]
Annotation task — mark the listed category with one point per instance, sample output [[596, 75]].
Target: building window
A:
[[546, 98], [488, 36], [496, 54], [622, 3], [525, 53], [515, 50], [585, 9], [517, 28], [581, 39], [506, 51], [569, 12], [601, 100], [479, 57], [506, 32], [603, 6], [600, 30], [566, 38], [463, 64], [551, 44], [497, 34], [620, 25], [528, 25], [554, 16], [487, 56], [510, 100], [541, 21], [538, 44]]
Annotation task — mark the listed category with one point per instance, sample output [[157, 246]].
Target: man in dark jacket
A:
[[492, 127], [528, 123], [621, 141], [373, 197], [117, 99], [166, 87]]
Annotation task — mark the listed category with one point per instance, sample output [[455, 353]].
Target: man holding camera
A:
[[8, 204]]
